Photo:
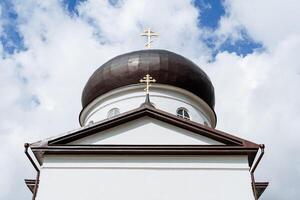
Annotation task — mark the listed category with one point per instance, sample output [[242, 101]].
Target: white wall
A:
[[164, 97], [146, 131], [147, 178]]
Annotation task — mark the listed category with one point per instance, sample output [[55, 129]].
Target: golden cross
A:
[[147, 79], [147, 32]]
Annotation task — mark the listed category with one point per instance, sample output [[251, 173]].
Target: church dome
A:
[[166, 67]]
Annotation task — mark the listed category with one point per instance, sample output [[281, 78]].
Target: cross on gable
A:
[[148, 80]]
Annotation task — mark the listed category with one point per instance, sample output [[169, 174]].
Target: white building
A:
[[134, 147]]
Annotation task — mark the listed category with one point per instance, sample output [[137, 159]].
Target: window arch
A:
[[113, 112], [183, 113]]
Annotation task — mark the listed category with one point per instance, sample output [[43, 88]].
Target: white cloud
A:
[[259, 100], [176, 23], [268, 21]]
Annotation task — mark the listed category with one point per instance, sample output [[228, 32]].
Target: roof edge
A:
[[156, 114]]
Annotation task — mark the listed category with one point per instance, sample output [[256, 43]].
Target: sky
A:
[[249, 49]]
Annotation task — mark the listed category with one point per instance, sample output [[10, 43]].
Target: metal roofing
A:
[[166, 67]]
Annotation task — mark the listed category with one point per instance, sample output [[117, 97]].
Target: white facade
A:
[[164, 97], [147, 178]]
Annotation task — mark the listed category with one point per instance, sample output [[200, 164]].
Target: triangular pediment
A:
[[146, 131], [147, 126]]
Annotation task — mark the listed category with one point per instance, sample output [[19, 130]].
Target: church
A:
[[147, 132]]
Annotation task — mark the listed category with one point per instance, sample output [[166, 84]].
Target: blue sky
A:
[[11, 39], [210, 13]]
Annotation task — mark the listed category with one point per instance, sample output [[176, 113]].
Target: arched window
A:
[[113, 112], [183, 113]]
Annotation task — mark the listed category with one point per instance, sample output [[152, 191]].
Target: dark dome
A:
[[166, 67]]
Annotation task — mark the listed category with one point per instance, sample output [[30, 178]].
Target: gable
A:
[[145, 131], [169, 134]]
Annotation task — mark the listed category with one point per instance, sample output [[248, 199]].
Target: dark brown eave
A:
[[145, 150], [30, 183], [159, 115], [261, 187]]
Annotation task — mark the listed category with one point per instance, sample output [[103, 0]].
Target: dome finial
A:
[[149, 33], [147, 102]]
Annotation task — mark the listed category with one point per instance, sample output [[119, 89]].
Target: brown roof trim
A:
[[30, 183], [156, 114], [146, 150], [261, 187]]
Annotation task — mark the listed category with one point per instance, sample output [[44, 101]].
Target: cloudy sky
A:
[[250, 50]]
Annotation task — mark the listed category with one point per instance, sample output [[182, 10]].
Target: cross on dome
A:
[[149, 33]]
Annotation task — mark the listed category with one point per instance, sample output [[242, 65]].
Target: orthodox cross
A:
[[147, 32], [148, 80]]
